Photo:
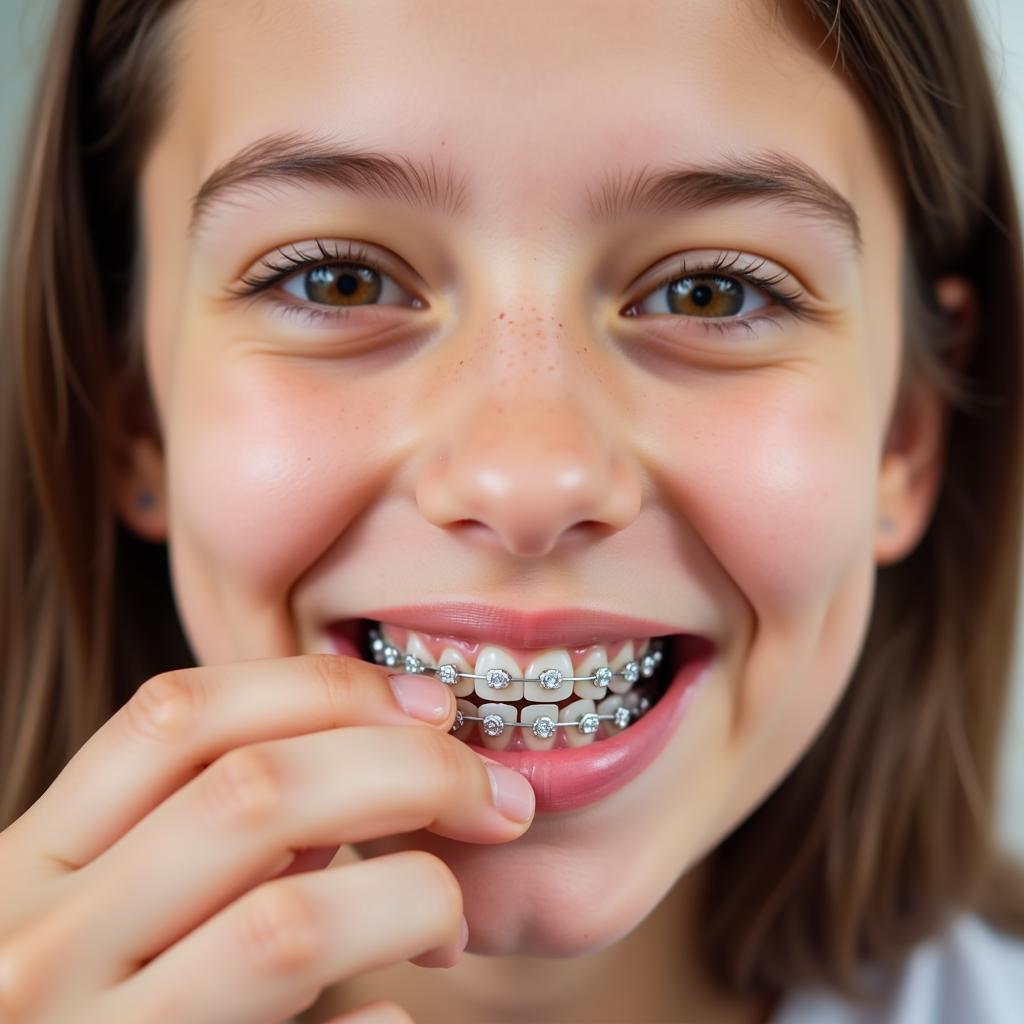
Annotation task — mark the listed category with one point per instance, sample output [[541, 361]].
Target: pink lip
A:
[[571, 778], [570, 627]]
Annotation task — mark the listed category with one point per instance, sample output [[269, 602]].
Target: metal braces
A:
[[498, 679], [543, 727]]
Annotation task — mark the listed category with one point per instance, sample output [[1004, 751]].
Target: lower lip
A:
[[571, 778]]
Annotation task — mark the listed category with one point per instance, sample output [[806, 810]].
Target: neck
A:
[[654, 973]]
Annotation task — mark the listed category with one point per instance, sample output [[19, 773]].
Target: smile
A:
[[538, 699], [509, 670]]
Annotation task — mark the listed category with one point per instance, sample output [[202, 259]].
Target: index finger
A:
[[179, 722]]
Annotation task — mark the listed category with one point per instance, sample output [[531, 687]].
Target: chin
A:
[[539, 901], [539, 932]]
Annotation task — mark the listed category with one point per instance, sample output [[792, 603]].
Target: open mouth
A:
[[535, 699]]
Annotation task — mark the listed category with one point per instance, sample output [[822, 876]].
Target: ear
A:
[[914, 456], [135, 458]]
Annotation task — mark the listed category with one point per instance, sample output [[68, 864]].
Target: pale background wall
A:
[[1003, 24], [22, 29]]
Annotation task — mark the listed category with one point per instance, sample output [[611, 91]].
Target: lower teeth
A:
[[544, 728]]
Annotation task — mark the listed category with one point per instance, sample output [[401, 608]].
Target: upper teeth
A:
[[549, 676]]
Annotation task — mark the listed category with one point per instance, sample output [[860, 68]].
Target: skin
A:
[[305, 472]]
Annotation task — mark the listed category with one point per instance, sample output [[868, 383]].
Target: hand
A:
[[165, 876]]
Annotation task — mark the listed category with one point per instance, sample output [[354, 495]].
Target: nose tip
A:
[[530, 479]]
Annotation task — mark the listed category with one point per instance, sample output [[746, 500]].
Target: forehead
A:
[[534, 101]]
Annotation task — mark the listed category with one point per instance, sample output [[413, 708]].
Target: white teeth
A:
[[626, 653], [494, 722], [540, 736], [623, 658], [507, 714], [391, 654], [450, 656], [544, 673], [597, 658], [573, 713], [609, 706], [500, 666], [468, 710], [415, 646]]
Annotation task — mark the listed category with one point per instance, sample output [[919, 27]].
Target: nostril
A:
[[529, 481], [520, 540]]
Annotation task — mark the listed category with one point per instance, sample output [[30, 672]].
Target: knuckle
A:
[[339, 685], [18, 989], [280, 930], [244, 786], [165, 706]]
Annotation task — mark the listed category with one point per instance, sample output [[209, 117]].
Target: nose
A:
[[530, 472]]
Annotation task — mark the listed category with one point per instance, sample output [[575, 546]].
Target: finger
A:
[[375, 1013], [269, 955], [231, 827], [179, 722], [448, 955]]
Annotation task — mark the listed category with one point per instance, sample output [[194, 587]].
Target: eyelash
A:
[[725, 264], [731, 264], [353, 253]]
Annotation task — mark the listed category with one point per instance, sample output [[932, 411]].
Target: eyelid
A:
[[711, 262], [295, 258], [746, 267]]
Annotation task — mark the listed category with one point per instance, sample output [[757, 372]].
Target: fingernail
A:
[[422, 697], [464, 935], [512, 794]]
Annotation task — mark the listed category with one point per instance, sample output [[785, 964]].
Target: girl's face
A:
[[547, 385]]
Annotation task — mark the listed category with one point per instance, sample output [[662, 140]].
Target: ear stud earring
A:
[[144, 501], [886, 525]]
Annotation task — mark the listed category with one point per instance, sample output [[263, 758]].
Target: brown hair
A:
[[885, 828]]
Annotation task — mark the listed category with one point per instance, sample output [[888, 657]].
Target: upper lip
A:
[[562, 627]]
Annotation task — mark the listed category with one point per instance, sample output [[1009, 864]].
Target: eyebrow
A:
[[770, 177], [292, 158], [296, 158]]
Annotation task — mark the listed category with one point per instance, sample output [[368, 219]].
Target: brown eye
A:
[[705, 295], [340, 284]]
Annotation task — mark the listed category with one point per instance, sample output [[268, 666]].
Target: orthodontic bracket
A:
[[543, 727], [498, 679]]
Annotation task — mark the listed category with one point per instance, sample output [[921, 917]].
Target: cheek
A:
[[267, 466], [791, 526], [777, 481], [779, 486], [787, 510]]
